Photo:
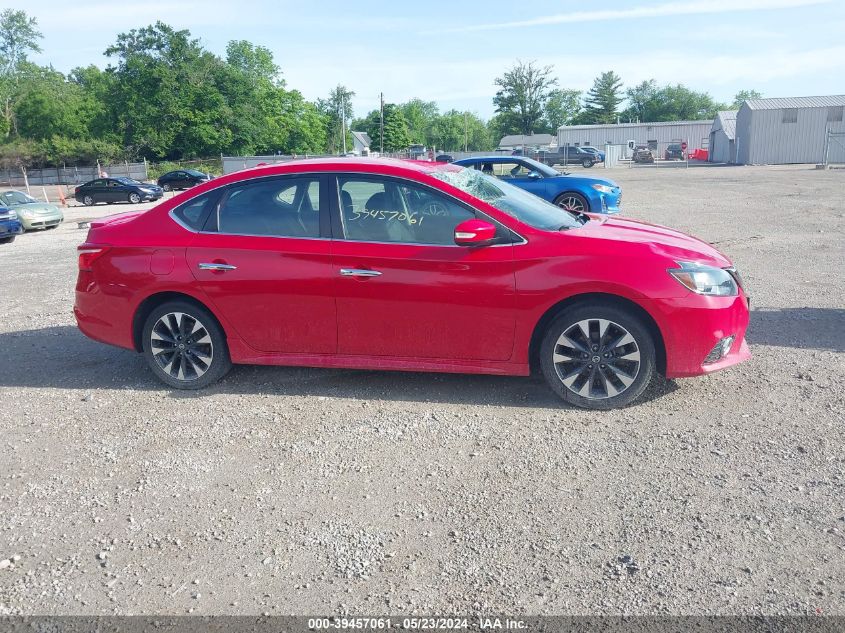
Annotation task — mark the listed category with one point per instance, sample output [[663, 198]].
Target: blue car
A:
[[594, 151], [10, 226], [573, 193]]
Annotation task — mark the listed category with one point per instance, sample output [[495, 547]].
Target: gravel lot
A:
[[319, 491]]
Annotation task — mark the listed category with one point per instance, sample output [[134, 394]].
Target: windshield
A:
[[516, 202], [17, 197], [537, 166]]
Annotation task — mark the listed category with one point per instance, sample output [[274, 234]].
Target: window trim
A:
[[210, 226], [337, 221]]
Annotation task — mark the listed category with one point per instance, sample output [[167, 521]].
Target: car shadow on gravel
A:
[[804, 328], [62, 358]]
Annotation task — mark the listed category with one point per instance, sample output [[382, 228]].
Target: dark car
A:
[[674, 152], [182, 179], [111, 190], [642, 155], [567, 155], [10, 225], [445, 158]]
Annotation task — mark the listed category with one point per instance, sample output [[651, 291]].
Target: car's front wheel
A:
[[134, 198], [598, 356], [185, 346], [572, 201], [8, 240]]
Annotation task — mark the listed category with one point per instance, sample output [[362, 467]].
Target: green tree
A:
[[744, 95], [562, 106], [396, 135], [649, 102], [420, 116], [338, 113], [602, 101], [19, 36], [521, 98]]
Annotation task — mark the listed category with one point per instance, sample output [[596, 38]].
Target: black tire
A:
[[593, 387], [573, 201], [167, 187], [88, 201], [135, 198], [169, 366], [8, 240], [587, 162]]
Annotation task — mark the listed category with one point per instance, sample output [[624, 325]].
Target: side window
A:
[[193, 212], [277, 207], [114, 183], [510, 170], [375, 210]]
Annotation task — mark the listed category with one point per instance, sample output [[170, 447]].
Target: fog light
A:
[[720, 350]]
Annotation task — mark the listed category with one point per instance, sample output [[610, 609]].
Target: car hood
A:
[[38, 207], [672, 244]]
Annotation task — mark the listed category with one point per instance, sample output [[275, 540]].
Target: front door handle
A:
[[216, 266], [359, 272]]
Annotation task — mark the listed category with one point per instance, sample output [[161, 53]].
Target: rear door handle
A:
[[359, 272], [216, 266]]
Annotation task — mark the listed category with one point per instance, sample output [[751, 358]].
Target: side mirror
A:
[[474, 233], [534, 175]]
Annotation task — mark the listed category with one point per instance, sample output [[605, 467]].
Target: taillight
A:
[[89, 254]]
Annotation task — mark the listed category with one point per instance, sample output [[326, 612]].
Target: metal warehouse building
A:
[[723, 137], [654, 135], [792, 130]]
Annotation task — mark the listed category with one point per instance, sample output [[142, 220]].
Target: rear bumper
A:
[[693, 325]]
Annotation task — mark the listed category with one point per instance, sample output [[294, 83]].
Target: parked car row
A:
[[21, 212], [123, 189]]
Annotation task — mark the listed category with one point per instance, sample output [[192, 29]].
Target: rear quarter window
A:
[[194, 212]]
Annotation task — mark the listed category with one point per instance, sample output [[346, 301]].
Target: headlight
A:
[[705, 280], [13, 215], [603, 188]]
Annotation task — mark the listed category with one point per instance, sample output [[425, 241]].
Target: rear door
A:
[[115, 191], [263, 259], [404, 288]]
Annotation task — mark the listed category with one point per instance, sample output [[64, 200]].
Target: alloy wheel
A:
[[596, 358], [88, 201], [571, 203], [134, 198], [181, 346]]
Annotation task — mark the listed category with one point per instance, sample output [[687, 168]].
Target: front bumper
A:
[[151, 197], [10, 227], [693, 325], [38, 221], [610, 202]]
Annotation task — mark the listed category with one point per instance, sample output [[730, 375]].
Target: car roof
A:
[[383, 166]]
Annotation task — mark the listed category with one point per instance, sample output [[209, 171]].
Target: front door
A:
[[264, 263], [519, 173], [404, 289]]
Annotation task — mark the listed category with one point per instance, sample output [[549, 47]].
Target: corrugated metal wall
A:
[[721, 147], [696, 134], [764, 138]]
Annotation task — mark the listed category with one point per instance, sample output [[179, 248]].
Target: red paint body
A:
[[434, 308]]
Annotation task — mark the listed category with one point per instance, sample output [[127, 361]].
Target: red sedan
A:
[[399, 265]]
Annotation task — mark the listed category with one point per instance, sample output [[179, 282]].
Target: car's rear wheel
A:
[[572, 201], [598, 356], [587, 162], [134, 198], [185, 346], [88, 201], [167, 187]]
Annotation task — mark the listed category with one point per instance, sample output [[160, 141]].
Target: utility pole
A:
[[343, 121], [381, 123]]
